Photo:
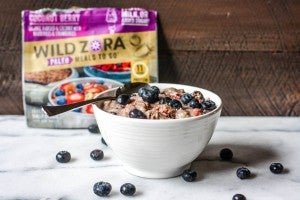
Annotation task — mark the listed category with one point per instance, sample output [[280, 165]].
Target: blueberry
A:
[[141, 91], [276, 168], [79, 86], [59, 93], [189, 176], [97, 154], [156, 89], [243, 173], [150, 96], [226, 154], [135, 113], [77, 109], [61, 101], [79, 90], [238, 197], [123, 99], [101, 82], [164, 100], [194, 103], [174, 103], [186, 98], [103, 141], [63, 156], [127, 189], [209, 105], [93, 128], [102, 189]]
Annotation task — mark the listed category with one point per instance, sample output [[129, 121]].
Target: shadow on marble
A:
[[243, 155]]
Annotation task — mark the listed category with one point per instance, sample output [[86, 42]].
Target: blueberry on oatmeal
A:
[[186, 98], [135, 113], [141, 91], [175, 104], [156, 89], [150, 96], [123, 99], [194, 103], [209, 105], [164, 100]]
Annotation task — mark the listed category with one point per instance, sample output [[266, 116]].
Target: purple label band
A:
[[49, 24]]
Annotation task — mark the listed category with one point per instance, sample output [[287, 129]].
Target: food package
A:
[[71, 55]]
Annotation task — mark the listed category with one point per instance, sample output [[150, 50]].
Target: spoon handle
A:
[[55, 110]]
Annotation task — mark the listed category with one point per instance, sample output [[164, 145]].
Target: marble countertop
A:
[[28, 169]]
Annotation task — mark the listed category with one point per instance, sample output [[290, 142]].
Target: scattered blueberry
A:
[[103, 141], [61, 101], [59, 93], [226, 154], [209, 105], [150, 96], [276, 168], [127, 189], [164, 100], [194, 103], [243, 173], [97, 154], [156, 89], [93, 128], [63, 156], [238, 197], [189, 176], [79, 86], [186, 98], [123, 99], [135, 113], [174, 103], [102, 189]]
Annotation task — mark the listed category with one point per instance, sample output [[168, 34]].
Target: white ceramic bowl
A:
[[158, 148]]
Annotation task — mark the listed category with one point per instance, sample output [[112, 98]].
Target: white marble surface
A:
[[28, 169]]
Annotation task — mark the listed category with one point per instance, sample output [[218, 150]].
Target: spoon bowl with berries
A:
[[157, 131], [77, 94]]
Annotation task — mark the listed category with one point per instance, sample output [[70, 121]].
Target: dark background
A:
[[245, 51]]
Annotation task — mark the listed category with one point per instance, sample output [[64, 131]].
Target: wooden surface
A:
[[246, 51]]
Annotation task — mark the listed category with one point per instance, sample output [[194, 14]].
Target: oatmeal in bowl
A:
[[159, 131], [152, 103]]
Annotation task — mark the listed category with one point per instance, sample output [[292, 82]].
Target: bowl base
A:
[[169, 173]]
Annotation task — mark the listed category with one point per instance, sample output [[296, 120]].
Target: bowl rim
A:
[[194, 118]]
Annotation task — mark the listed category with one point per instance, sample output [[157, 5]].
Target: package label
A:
[[67, 50]]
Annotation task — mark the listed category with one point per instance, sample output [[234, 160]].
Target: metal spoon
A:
[[126, 89]]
